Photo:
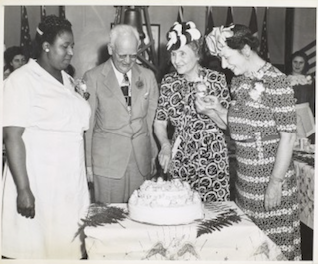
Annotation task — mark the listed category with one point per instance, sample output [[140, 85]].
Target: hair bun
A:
[[52, 21]]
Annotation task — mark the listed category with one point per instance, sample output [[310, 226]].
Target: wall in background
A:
[[91, 25]]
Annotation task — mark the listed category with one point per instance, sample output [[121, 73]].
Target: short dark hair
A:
[[9, 55], [47, 31], [242, 36]]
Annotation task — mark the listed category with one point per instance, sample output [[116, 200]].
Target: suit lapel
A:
[[111, 83]]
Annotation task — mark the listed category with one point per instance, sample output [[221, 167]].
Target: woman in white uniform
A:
[[45, 191]]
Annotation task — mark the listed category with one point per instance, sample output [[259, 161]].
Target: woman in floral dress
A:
[[198, 152], [262, 122]]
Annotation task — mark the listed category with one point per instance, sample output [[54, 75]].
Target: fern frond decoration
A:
[[100, 214], [225, 219]]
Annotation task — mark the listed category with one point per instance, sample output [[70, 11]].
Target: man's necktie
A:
[[126, 89]]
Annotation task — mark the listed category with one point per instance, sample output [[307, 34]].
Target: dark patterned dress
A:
[[262, 107], [201, 157]]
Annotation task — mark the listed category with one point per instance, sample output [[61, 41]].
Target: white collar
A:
[[119, 75]]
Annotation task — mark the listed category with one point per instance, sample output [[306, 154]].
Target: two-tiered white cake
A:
[[165, 203]]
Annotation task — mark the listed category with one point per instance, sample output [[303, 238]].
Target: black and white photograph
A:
[[159, 132]]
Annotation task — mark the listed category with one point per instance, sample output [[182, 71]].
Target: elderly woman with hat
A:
[[198, 152], [262, 122]]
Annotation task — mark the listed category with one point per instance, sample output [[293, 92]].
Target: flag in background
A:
[[310, 51], [43, 12], [229, 18], [180, 15], [25, 38], [253, 23], [209, 24], [62, 11], [264, 42]]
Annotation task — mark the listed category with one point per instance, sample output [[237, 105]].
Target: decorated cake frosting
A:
[[165, 203]]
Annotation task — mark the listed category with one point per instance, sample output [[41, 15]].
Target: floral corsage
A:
[[139, 83], [257, 90], [80, 87]]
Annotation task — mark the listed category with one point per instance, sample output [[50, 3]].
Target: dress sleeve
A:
[[283, 104], [164, 99], [16, 101]]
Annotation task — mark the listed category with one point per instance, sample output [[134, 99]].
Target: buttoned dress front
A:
[[54, 117]]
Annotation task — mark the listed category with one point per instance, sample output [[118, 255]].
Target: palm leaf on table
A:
[[225, 219], [100, 214]]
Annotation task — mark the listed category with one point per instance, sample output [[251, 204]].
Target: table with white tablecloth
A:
[[225, 233]]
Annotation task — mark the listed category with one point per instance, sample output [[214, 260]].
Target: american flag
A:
[[43, 12], [264, 43], [253, 23], [25, 38], [209, 24], [310, 51], [229, 18], [180, 15], [62, 11]]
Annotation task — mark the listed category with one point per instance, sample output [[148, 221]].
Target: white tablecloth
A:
[[306, 184], [224, 234]]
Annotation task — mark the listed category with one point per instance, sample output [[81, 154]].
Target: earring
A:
[[46, 50]]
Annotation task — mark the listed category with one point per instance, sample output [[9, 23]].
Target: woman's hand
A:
[[16, 155], [211, 107], [165, 156], [207, 103], [26, 203], [273, 195]]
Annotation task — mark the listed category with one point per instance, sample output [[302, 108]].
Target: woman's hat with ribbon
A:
[[216, 39], [182, 34]]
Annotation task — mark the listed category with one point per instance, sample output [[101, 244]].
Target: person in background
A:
[[45, 192], [303, 83], [262, 122], [304, 92], [14, 59], [120, 145], [197, 153]]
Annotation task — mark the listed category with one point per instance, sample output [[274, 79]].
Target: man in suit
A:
[[120, 146]]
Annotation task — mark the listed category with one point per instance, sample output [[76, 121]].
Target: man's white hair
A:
[[122, 30]]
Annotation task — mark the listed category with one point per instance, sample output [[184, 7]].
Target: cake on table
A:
[[165, 203]]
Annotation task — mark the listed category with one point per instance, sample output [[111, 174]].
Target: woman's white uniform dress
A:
[[54, 117]]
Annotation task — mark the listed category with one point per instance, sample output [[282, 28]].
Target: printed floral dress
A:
[[201, 153], [262, 107]]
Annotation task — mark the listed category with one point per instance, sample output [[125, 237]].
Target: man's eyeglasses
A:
[[124, 56]]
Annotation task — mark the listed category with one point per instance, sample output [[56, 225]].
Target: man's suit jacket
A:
[[114, 134]]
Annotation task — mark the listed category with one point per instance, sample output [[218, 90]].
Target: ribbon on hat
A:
[[182, 34], [216, 39]]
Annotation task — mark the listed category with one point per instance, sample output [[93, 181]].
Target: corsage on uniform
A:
[[80, 87]]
